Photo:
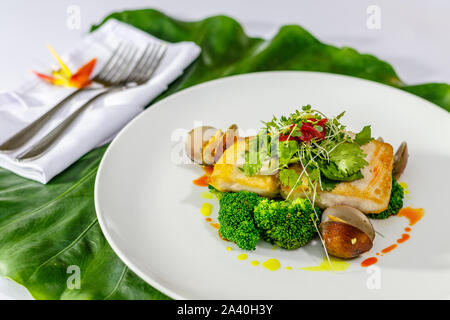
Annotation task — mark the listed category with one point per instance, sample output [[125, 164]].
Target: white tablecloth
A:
[[411, 35]]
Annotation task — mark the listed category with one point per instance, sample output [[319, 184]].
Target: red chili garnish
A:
[[308, 131]]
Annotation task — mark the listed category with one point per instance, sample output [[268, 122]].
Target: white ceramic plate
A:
[[149, 210]]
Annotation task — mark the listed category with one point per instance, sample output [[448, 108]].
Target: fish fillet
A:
[[227, 176], [370, 194]]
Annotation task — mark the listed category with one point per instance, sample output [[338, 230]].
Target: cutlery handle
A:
[[49, 140], [24, 135]]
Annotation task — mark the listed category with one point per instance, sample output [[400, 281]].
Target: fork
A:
[[121, 75], [24, 135]]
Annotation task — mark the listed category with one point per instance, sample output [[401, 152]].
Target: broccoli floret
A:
[[236, 218], [395, 202], [215, 192], [287, 224]]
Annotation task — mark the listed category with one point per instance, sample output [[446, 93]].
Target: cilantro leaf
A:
[[328, 184], [348, 157], [314, 174], [346, 162], [288, 177], [258, 151], [331, 172], [364, 136], [286, 150], [250, 169]]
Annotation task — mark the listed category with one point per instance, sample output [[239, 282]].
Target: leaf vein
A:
[[82, 234], [116, 287], [24, 213]]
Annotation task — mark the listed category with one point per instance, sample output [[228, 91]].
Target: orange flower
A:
[[63, 76]]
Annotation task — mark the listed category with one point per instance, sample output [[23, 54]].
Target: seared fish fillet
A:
[[370, 194], [228, 177]]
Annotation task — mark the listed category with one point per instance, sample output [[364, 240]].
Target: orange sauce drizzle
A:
[[208, 219], [413, 215], [403, 238], [220, 236], [215, 225], [389, 249], [203, 181], [368, 262]]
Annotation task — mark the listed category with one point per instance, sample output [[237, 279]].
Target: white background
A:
[[413, 35]]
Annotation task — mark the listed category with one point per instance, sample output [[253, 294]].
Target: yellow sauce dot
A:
[[206, 209], [229, 248], [254, 263], [405, 189], [288, 268], [272, 264], [206, 195], [242, 256], [336, 265]]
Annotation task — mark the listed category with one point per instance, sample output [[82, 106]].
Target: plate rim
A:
[[122, 256]]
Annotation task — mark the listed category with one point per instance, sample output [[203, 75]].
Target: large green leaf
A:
[[44, 229]]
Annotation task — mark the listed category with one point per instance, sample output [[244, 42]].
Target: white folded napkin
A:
[[103, 119]]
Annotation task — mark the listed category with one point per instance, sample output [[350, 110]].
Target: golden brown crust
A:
[[370, 194], [228, 177], [377, 182]]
